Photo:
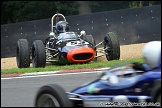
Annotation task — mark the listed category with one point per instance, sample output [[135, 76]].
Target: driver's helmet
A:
[[151, 54], [62, 26]]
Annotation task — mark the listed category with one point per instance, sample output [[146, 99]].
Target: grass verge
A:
[[68, 67]]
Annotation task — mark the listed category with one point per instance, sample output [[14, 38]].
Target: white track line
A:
[[51, 74]]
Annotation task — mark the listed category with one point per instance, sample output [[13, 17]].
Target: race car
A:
[[66, 47], [134, 88]]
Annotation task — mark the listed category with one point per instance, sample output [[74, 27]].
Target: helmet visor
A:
[[62, 28]]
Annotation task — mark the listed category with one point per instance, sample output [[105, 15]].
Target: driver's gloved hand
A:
[[138, 66]]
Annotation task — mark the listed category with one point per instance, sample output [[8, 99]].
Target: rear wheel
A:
[[23, 53], [111, 46], [52, 95], [38, 54]]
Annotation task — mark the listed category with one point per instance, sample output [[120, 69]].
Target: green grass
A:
[[68, 67]]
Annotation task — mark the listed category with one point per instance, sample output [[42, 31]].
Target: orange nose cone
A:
[[81, 55]]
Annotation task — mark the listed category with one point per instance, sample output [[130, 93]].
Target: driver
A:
[[61, 27], [151, 55]]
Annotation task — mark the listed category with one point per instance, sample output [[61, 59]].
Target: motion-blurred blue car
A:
[[117, 86]]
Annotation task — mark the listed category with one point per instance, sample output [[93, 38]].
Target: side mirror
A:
[[82, 33], [52, 34]]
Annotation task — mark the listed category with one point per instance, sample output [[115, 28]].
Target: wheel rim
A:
[[47, 100], [34, 58], [108, 50]]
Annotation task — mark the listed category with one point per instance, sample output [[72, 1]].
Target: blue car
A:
[[118, 86]]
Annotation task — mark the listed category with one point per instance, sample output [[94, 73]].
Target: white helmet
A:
[[151, 53]]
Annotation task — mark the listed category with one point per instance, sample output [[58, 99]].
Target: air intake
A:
[[82, 56]]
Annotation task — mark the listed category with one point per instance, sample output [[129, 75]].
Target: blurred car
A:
[[118, 86], [64, 48]]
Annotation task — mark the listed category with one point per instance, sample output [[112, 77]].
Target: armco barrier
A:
[[132, 26]]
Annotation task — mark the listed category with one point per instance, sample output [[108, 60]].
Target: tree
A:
[[20, 11], [84, 7], [137, 4], [99, 6]]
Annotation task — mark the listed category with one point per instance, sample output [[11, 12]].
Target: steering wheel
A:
[[124, 69]]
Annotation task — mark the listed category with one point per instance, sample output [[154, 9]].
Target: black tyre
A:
[[91, 40], [156, 94], [159, 98], [52, 95], [112, 46], [38, 54], [23, 53]]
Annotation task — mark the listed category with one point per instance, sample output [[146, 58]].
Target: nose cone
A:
[[81, 55]]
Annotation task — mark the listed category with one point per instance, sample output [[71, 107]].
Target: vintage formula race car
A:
[[134, 88], [64, 48]]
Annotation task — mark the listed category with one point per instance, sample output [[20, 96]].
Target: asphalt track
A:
[[20, 90]]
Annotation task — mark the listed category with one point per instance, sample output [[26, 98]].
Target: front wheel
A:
[[90, 39], [111, 46], [38, 54], [52, 95]]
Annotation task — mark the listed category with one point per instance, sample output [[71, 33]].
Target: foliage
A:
[[99, 6], [21, 11], [137, 4]]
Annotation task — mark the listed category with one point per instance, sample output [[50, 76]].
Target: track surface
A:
[[20, 92], [127, 52]]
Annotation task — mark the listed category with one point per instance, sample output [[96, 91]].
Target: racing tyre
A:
[[156, 94], [52, 95], [38, 54], [159, 98], [23, 53], [111, 46], [91, 40]]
